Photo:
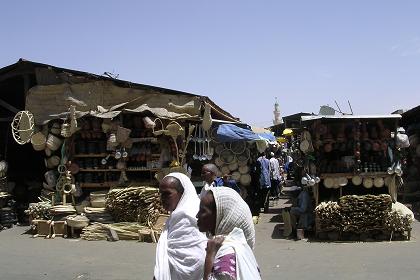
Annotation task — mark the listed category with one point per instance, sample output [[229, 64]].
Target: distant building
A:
[[291, 121], [277, 118]]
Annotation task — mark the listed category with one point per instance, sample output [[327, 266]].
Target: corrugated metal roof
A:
[[338, 117]]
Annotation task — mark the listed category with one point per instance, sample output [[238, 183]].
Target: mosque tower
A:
[[277, 119]]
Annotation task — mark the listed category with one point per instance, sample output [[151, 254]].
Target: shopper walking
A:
[[227, 220], [179, 253]]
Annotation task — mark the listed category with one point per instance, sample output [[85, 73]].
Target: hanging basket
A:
[[238, 147], [158, 127], [38, 141], [23, 127], [213, 134], [65, 130], [122, 134], [245, 179], [225, 170], [219, 149], [55, 128], [244, 157], [243, 169], [227, 156], [53, 142], [234, 165], [174, 130], [236, 176], [52, 162], [218, 162]]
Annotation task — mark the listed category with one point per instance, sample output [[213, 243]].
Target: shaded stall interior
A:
[[349, 146]]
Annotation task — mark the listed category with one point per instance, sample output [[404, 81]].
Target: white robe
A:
[[246, 264], [180, 251]]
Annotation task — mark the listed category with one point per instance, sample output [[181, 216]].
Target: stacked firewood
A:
[[397, 222], [134, 204], [116, 231], [363, 213], [328, 216]]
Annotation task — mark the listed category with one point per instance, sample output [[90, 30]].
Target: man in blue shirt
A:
[[209, 174], [263, 166]]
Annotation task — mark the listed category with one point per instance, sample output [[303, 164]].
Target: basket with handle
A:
[[23, 127], [158, 127]]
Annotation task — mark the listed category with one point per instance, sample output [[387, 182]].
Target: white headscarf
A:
[[233, 212], [180, 251]]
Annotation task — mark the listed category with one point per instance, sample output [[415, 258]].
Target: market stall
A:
[[352, 164], [236, 148], [92, 151], [411, 192]]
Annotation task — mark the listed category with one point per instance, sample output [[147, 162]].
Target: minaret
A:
[[277, 119]]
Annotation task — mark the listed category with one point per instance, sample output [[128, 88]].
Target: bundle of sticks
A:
[[134, 204]]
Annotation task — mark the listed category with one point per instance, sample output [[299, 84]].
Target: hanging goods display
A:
[[23, 127]]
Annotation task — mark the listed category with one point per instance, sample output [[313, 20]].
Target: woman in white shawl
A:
[[226, 217], [180, 250]]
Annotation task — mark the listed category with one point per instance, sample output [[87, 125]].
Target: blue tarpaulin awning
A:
[[231, 133]]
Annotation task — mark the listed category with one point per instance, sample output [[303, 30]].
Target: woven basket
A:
[[244, 169], [56, 128], [225, 169], [52, 162], [236, 176], [227, 156], [65, 130], [23, 127], [99, 195], [245, 180], [238, 147], [97, 199], [219, 149], [244, 157], [38, 141], [218, 162], [77, 221], [122, 134], [53, 142], [158, 127], [233, 166], [97, 203]]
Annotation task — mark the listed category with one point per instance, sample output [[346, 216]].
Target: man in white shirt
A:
[[274, 175]]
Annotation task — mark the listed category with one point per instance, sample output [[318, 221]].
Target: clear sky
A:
[[242, 54]]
